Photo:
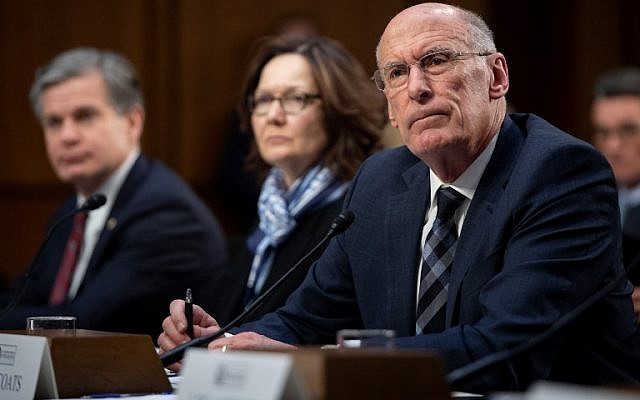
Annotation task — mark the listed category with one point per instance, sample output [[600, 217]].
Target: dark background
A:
[[191, 55]]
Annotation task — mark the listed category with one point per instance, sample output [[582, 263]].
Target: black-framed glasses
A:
[[291, 103], [433, 63]]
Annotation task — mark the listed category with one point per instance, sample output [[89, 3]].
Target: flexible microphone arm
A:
[[463, 374], [93, 202], [339, 224]]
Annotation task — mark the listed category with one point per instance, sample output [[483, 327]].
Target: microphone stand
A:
[[341, 223], [93, 202], [473, 369]]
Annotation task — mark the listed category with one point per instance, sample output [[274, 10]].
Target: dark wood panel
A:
[[191, 55], [34, 31], [214, 41], [25, 211]]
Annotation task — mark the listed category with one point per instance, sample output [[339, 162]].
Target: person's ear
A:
[[135, 121], [499, 84]]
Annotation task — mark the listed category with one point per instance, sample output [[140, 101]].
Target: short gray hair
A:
[[120, 77], [623, 81], [480, 35]]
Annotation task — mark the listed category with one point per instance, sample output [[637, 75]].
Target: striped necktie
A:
[[437, 254]]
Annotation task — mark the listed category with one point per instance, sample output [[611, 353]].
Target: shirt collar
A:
[[468, 181], [629, 196], [112, 185]]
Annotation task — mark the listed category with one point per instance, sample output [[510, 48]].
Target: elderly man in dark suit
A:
[[116, 267], [475, 237]]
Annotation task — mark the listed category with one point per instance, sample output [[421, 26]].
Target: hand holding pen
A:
[[188, 312]]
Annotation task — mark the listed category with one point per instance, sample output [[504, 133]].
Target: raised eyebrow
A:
[[262, 94], [436, 50], [393, 64], [81, 111], [296, 91], [431, 51]]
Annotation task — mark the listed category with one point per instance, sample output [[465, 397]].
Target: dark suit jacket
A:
[[541, 235], [165, 240], [631, 244], [310, 229]]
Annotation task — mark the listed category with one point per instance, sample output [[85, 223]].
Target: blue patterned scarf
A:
[[278, 210]]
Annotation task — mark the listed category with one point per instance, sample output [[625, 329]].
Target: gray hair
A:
[[120, 77], [618, 82], [480, 35]]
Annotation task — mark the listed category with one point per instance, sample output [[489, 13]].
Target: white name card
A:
[[26, 370], [210, 375]]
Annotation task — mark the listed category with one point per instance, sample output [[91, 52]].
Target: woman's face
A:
[[293, 139]]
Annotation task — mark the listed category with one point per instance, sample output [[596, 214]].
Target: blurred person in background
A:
[[152, 239], [314, 116], [237, 189], [615, 116]]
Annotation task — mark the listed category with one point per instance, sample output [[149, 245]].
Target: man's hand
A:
[[174, 327], [248, 341]]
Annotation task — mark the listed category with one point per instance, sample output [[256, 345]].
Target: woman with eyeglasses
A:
[[314, 116]]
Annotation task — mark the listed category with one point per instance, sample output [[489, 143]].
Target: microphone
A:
[[458, 376], [93, 202], [339, 225]]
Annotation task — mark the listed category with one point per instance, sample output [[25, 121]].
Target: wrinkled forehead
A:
[[418, 28]]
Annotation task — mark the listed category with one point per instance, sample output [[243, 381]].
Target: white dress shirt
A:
[[97, 219], [466, 184]]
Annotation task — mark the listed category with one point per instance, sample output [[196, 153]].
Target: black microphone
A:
[[465, 373], [339, 225], [93, 202]]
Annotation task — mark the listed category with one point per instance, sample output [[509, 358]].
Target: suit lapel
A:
[[403, 230], [117, 215], [489, 191]]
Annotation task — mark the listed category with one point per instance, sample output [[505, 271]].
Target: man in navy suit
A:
[[151, 240], [536, 222]]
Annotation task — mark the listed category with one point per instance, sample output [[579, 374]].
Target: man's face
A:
[[616, 123], [445, 114], [86, 139]]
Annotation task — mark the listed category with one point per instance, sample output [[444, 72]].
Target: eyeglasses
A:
[[624, 132], [433, 63], [291, 103]]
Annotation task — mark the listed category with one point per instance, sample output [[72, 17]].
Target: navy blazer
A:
[[164, 240], [541, 235]]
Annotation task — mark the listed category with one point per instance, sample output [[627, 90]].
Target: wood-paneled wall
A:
[[191, 56]]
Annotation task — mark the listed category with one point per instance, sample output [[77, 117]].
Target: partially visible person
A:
[[151, 240], [314, 116], [236, 187], [474, 238], [615, 116]]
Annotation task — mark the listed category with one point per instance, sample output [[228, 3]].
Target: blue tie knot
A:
[[448, 202]]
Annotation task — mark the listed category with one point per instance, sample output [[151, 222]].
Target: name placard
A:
[[26, 370], [210, 375]]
